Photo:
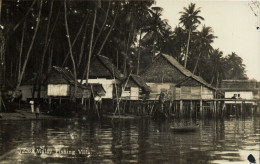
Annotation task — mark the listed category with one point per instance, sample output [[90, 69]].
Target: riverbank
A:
[[26, 114]]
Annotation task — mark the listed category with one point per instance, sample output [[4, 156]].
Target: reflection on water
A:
[[128, 141]]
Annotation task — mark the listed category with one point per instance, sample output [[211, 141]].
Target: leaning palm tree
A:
[[190, 20]]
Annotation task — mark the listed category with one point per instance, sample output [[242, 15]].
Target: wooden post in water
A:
[[191, 108], [200, 106], [181, 107], [215, 108], [241, 108]]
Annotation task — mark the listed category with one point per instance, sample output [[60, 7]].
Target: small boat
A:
[[185, 128]]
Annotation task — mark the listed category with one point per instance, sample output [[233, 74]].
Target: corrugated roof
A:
[[186, 72], [140, 82]]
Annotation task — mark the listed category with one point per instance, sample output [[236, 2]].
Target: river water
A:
[[129, 141]]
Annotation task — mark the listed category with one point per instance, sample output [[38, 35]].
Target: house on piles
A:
[[27, 88], [104, 72], [60, 85], [135, 88], [166, 75], [241, 90]]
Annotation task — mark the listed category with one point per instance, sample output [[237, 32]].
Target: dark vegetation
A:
[[38, 34]]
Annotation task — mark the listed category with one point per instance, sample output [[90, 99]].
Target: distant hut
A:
[[135, 88], [240, 89], [60, 85], [166, 75], [103, 71]]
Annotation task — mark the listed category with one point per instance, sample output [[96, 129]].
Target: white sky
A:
[[232, 21]]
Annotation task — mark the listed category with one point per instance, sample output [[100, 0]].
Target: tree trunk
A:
[[50, 57], [102, 27], [28, 53], [21, 52], [21, 21], [111, 28], [91, 42], [47, 41], [139, 51], [187, 49], [74, 41], [0, 9], [196, 64], [71, 54], [82, 45]]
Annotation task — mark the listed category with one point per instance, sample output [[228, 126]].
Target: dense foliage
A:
[[130, 33]]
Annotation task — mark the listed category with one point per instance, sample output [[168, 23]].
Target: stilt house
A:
[[103, 71], [27, 89], [135, 88], [167, 75], [240, 89], [60, 84]]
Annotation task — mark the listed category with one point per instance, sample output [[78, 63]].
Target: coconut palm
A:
[[204, 38], [235, 69], [217, 66], [190, 20]]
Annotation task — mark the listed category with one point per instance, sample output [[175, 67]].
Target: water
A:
[[129, 141]]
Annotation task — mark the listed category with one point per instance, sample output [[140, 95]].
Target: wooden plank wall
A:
[[193, 93]]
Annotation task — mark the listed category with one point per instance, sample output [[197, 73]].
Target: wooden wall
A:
[[107, 84], [194, 93], [58, 90], [178, 93], [27, 90]]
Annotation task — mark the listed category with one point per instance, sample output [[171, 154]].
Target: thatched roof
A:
[[239, 85], [101, 66], [140, 82], [186, 72], [60, 75], [32, 81], [167, 69]]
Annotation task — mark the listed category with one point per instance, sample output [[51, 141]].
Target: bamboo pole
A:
[[70, 49]]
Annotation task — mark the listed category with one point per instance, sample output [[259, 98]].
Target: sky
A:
[[233, 22]]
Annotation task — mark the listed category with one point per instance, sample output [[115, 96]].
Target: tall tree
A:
[[28, 52], [204, 39], [190, 20], [70, 50], [235, 69]]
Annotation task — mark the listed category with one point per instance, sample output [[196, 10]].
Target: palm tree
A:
[[204, 38], [157, 32], [235, 69], [217, 66], [190, 20]]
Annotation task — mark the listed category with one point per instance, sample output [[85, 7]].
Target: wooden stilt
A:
[[191, 108], [200, 106], [215, 108], [181, 107]]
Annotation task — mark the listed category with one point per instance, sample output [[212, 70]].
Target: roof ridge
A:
[[185, 71]]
